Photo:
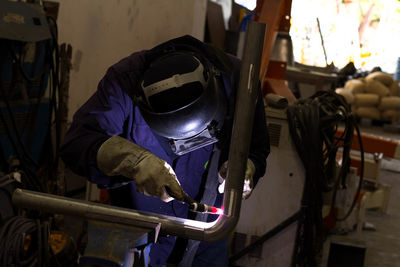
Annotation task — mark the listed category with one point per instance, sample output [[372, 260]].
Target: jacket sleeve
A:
[[259, 146], [102, 116]]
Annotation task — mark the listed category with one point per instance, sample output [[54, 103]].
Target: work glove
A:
[[152, 175], [248, 180]]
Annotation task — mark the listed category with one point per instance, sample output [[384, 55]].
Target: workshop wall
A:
[[102, 32]]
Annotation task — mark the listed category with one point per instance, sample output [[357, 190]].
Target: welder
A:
[[158, 129]]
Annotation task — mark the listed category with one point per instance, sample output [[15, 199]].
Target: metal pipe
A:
[[246, 100], [239, 149]]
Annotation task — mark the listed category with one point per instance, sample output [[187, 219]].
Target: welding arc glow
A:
[[215, 210], [199, 207]]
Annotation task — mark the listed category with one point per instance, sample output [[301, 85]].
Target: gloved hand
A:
[[248, 181], [118, 156]]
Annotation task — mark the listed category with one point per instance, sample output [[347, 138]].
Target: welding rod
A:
[[194, 205], [203, 208], [200, 207]]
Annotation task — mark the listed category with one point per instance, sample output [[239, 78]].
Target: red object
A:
[[104, 197], [329, 221], [276, 15], [215, 210], [375, 144]]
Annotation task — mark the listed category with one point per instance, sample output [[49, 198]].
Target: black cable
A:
[[12, 240], [360, 182], [25, 242], [39, 238], [18, 61], [46, 239], [34, 110], [16, 131], [313, 124], [33, 182], [54, 91], [257, 243], [26, 154], [8, 132]]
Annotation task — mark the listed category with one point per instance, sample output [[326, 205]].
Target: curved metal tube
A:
[[239, 149]]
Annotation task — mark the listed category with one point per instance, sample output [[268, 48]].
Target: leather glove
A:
[[152, 175], [248, 181]]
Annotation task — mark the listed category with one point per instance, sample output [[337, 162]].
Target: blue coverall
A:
[[111, 111]]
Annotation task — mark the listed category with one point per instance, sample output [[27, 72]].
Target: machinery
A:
[[266, 235], [283, 223], [26, 65]]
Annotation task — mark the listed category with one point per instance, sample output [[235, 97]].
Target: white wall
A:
[[102, 32]]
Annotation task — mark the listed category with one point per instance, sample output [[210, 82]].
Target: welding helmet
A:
[[183, 100]]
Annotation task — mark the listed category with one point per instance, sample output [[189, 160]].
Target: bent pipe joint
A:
[[239, 149], [205, 231]]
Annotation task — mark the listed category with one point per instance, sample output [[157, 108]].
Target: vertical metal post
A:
[[244, 116]]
